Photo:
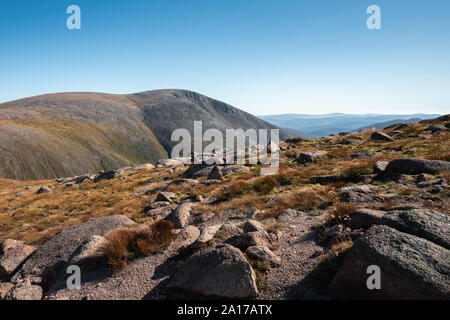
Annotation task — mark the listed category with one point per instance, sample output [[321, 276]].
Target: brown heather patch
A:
[[125, 244]]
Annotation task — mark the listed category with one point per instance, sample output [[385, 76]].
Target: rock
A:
[[365, 218], [215, 174], [417, 166], [204, 216], [380, 136], [197, 171], [206, 235], [197, 198], [186, 237], [180, 215], [234, 169], [324, 180], [5, 287], [422, 178], [447, 125], [230, 228], [380, 166], [429, 183], [165, 197], [436, 128], [362, 155], [253, 225], [334, 231], [287, 215], [13, 254], [357, 193], [222, 272], [411, 267], [255, 238], [109, 175], [312, 156], [81, 179], [89, 253], [172, 162], [263, 254], [25, 291], [346, 141], [44, 189], [48, 260], [422, 223], [156, 205]]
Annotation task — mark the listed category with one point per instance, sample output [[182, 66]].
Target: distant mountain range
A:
[[311, 126], [66, 134]]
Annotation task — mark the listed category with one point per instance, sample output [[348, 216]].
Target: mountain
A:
[[67, 134], [323, 125], [382, 125]]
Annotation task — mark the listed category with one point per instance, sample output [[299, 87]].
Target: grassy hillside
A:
[[68, 134]]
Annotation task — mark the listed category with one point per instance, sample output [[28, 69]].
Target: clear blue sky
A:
[[263, 56]]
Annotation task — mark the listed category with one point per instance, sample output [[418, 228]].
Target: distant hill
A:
[[323, 125], [67, 134], [382, 125]]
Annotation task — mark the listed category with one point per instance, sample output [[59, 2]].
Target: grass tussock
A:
[[129, 243]]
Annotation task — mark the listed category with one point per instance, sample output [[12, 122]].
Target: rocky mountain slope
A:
[[67, 134], [337, 207]]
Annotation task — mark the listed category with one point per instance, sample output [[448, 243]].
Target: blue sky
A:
[[263, 56]]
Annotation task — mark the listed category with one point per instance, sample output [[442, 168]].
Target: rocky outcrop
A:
[[256, 238], [222, 272], [43, 190], [423, 223], [359, 193], [312, 156], [380, 136], [416, 166], [46, 262], [263, 254], [108, 175], [180, 215], [411, 267], [12, 254], [25, 291]]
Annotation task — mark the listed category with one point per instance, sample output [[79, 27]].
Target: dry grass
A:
[[129, 243]]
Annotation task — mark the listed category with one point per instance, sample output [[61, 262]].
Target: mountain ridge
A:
[[71, 133]]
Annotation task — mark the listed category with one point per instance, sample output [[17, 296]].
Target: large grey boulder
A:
[[5, 287], [263, 254], [380, 136], [410, 267], [43, 190], [180, 215], [206, 235], [312, 156], [186, 237], [416, 166], [436, 128], [222, 272], [358, 193], [423, 223], [89, 253], [25, 291], [109, 175], [365, 218], [256, 238], [12, 254], [48, 260]]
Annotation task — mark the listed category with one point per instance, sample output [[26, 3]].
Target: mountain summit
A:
[[66, 134]]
